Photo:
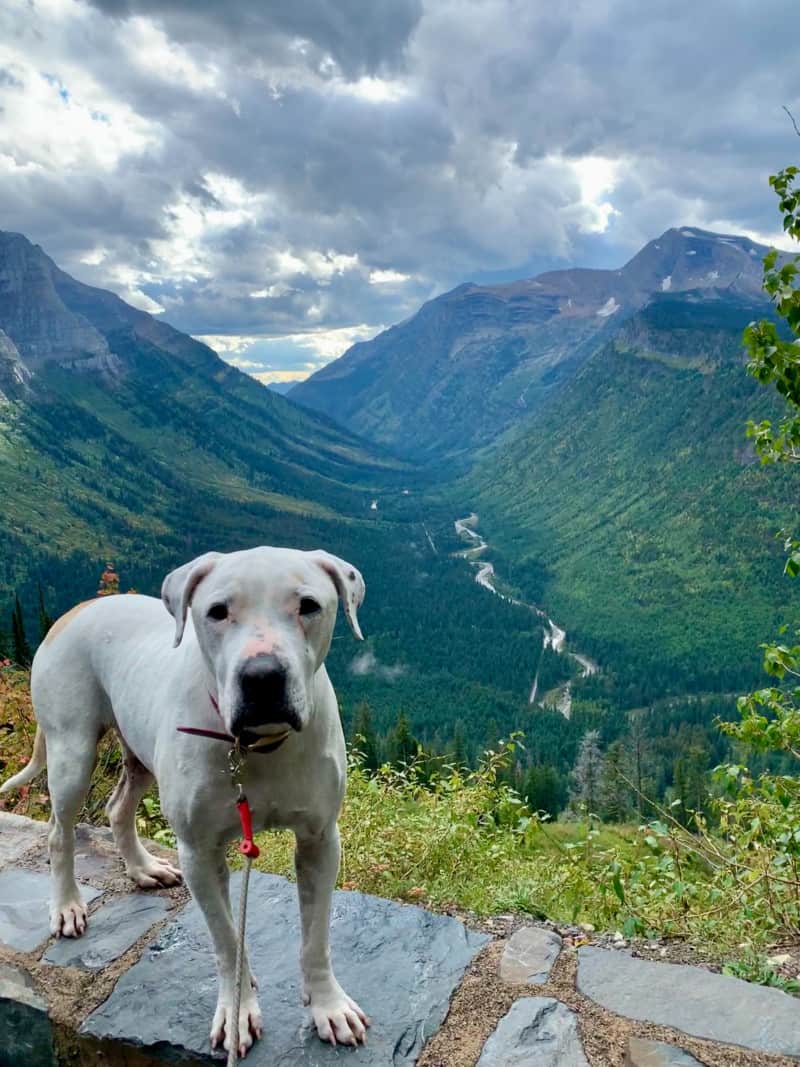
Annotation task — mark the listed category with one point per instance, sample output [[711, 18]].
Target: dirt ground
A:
[[484, 998]]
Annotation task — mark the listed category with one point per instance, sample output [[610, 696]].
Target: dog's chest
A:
[[300, 799]]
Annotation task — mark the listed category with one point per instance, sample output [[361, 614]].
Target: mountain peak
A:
[[35, 318], [469, 361], [687, 257]]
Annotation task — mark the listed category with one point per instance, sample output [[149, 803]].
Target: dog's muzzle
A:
[[263, 700]]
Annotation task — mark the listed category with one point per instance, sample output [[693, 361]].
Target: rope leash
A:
[[249, 849]]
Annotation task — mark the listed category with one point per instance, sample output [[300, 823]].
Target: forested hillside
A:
[[123, 440], [634, 506], [624, 506]]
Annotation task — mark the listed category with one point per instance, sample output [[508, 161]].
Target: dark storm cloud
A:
[[287, 169], [361, 36]]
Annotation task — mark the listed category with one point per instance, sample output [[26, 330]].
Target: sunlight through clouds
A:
[[280, 173]]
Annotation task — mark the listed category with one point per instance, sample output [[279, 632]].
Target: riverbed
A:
[[554, 636]]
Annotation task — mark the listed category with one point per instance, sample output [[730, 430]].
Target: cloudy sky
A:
[[284, 177]]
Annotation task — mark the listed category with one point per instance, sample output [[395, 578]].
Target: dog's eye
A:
[[308, 606], [218, 612]]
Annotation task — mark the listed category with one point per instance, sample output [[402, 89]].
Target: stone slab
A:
[[112, 930], [402, 965], [96, 855], [27, 1036], [642, 1053], [529, 955], [537, 1030], [698, 1002], [25, 908], [18, 835]]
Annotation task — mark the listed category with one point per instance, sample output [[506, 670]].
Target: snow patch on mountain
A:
[[608, 308]]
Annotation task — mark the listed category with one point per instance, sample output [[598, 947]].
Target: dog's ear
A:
[[179, 587], [349, 585]]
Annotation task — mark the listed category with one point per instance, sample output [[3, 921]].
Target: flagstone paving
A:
[[693, 1000], [113, 929], [536, 1031], [140, 987], [24, 908], [529, 955]]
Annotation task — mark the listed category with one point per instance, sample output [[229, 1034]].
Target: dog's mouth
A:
[[265, 731], [254, 742]]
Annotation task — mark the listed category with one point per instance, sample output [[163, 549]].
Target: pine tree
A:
[[639, 751], [19, 642], [364, 738], [45, 619], [460, 758], [691, 784], [614, 790], [544, 790], [401, 742], [588, 772], [492, 735]]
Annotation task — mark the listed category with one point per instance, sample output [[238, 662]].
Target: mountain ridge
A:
[[469, 362]]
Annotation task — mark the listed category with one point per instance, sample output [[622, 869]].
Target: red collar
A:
[[249, 741]]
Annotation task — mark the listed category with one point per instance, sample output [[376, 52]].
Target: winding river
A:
[[554, 636]]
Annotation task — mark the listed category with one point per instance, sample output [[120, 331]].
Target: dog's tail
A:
[[33, 766]]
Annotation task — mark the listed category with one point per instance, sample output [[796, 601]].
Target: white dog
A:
[[251, 633]]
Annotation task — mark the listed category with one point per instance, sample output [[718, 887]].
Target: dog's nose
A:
[[262, 683]]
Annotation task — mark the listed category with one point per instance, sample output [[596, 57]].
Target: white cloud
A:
[[267, 376], [608, 308], [64, 120], [279, 171], [387, 277], [330, 344], [375, 90], [149, 49], [226, 345], [366, 663]]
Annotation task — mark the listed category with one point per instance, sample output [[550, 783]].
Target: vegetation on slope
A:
[[447, 837], [634, 508]]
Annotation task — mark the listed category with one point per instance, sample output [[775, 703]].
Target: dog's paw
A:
[[337, 1017], [68, 920], [154, 873], [250, 1023]]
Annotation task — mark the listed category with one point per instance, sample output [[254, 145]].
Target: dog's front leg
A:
[[337, 1017], [206, 874]]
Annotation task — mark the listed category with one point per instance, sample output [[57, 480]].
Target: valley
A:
[[616, 494], [553, 637]]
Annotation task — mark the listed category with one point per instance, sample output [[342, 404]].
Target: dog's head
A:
[[263, 619]]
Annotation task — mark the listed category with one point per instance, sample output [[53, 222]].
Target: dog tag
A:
[[236, 763]]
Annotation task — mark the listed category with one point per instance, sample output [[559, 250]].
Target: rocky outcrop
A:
[[14, 375], [35, 318]]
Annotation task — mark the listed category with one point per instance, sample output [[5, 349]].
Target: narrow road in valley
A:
[[553, 637]]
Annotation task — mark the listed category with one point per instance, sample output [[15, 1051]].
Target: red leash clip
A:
[[248, 847]]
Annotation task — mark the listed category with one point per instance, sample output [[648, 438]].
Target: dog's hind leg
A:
[[71, 759], [148, 871]]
